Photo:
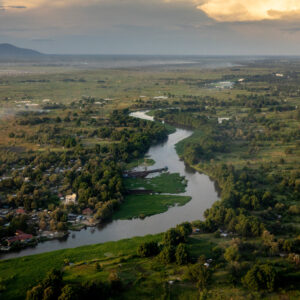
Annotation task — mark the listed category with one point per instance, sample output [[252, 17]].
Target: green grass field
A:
[[147, 162], [164, 183], [136, 206], [18, 275]]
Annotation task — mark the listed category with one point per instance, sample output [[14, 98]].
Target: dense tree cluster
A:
[[54, 287]]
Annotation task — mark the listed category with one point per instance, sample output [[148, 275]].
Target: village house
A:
[[19, 237], [87, 212], [20, 211]]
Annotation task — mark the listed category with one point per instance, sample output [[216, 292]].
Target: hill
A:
[[11, 51]]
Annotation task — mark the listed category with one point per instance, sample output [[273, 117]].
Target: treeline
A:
[[54, 287], [205, 147], [248, 190], [181, 117]]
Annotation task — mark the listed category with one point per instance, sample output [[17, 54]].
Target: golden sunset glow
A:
[[220, 10], [249, 10], [13, 4]]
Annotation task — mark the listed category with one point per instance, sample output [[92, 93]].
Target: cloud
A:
[[249, 10], [32, 4], [5, 8], [291, 29], [219, 10]]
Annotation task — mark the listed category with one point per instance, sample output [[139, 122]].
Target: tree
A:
[[52, 225], [68, 293], [181, 254], [61, 226], [167, 254], [232, 253], [148, 249], [35, 293], [49, 294], [267, 237], [184, 230], [199, 274], [171, 237], [53, 280], [217, 252], [287, 245], [260, 277]]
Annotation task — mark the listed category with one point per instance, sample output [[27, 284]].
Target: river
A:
[[199, 187]]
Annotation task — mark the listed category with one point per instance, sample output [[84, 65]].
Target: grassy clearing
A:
[[147, 162], [22, 273], [146, 205], [193, 138], [164, 183], [170, 128]]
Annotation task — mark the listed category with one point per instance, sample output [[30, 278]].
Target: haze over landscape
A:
[[198, 27]]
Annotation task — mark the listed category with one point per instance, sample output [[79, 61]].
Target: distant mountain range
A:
[[11, 51]]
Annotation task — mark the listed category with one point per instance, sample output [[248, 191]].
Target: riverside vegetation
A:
[[245, 137]]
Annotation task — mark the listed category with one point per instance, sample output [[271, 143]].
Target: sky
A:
[[177, 27]]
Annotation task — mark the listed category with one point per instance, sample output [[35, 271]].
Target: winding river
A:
[[199, 187]]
